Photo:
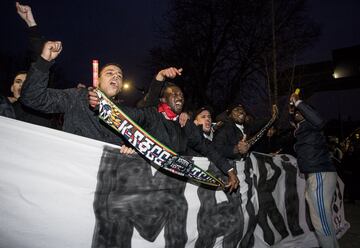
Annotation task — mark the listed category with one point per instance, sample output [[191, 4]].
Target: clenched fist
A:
[[294, 98], [51, 50], [25, 13], [183, 118], [93, 98], [170, 72], [233, 181]]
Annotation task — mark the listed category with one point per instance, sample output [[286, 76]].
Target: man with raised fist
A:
[[314, 161], [73, 103]]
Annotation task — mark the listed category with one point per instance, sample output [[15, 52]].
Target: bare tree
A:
[[227, 47]]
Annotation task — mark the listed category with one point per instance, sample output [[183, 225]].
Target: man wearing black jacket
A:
[[6, 109], [78, 118], [202, 118], [231, 138], [22, 112], [162, 122], [314, 161]]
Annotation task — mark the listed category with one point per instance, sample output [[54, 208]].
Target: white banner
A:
[[62, 190]]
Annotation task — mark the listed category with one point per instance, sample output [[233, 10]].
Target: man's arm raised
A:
[[153, 95], [26, 14]]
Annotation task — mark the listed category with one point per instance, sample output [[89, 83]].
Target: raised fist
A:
[[25, 13], [51, 50], [294, 98], [170, 72]]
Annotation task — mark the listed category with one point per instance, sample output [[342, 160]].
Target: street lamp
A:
[[127, 85]]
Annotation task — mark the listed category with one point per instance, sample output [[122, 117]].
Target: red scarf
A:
[[165, 109]]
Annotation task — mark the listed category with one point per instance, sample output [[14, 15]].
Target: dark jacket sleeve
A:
[[36, 95], [311, 115], [6, 109], [138, 115], [153, 94], [221, 142], [36, 42], [199, 144]]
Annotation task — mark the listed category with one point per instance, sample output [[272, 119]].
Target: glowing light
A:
[[126, 85]]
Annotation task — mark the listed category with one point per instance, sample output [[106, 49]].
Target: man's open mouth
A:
[[114, 83], [178, 103]]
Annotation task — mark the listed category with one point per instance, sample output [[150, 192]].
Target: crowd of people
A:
[[196, 132]]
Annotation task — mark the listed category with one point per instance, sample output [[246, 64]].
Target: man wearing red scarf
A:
[[162, 122]]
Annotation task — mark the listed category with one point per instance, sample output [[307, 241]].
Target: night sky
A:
[[112, 31], [339, 22], [124, 31]]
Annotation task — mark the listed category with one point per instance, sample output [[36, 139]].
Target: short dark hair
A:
[[19, 73], [198, 111], [231, 107], [224, 116], [108, 64], [165, 86]]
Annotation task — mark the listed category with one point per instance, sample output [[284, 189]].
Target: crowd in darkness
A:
[[194, 132]]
